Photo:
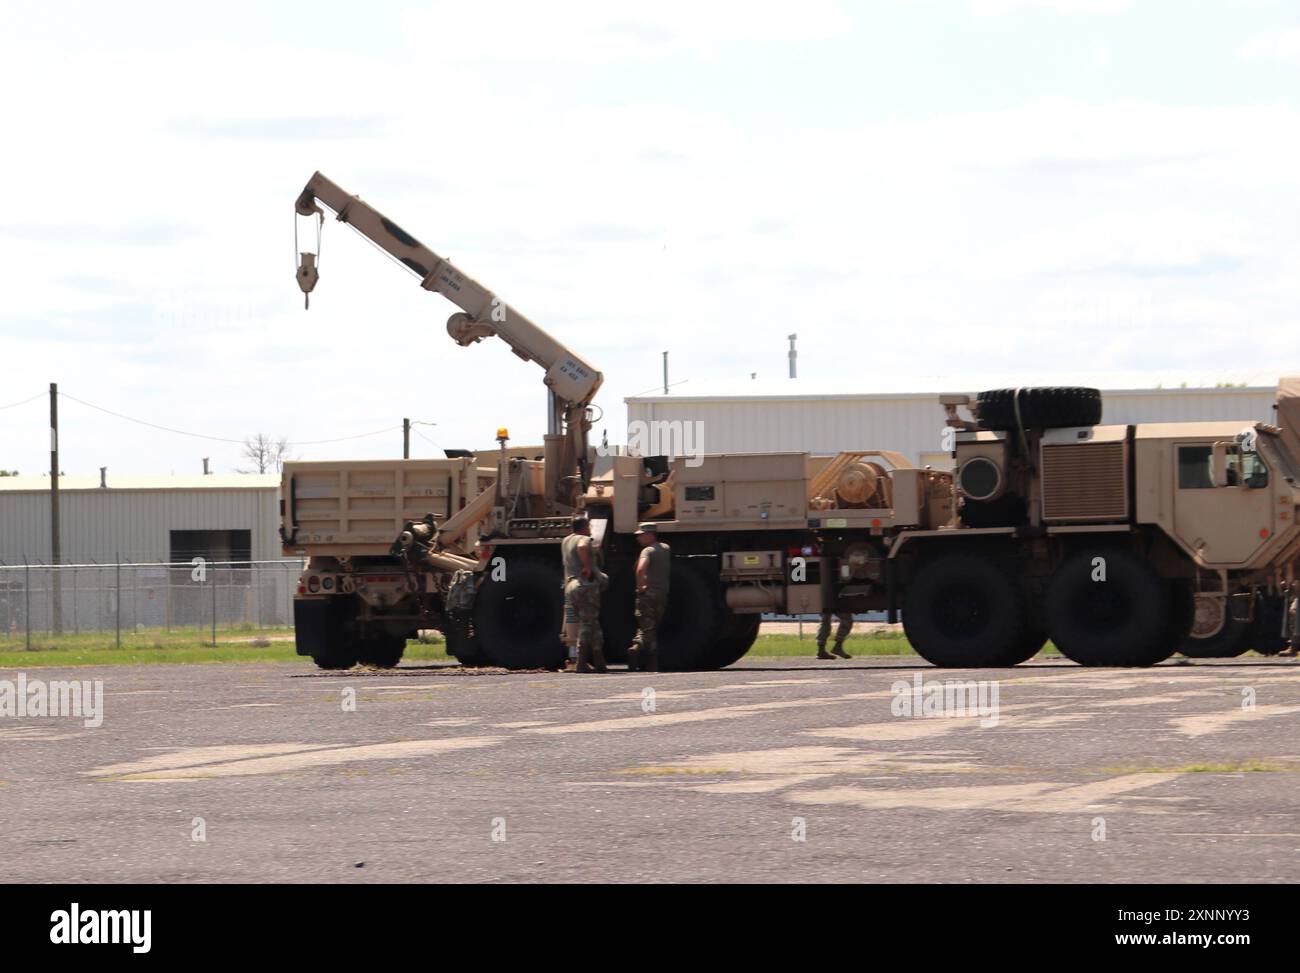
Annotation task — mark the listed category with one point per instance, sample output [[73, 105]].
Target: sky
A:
[[931, 193]]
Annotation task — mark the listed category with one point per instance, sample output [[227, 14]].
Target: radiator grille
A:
[[1087, 481]]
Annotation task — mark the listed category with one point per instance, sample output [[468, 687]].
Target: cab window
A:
[[1196, 468], [1254, 471]]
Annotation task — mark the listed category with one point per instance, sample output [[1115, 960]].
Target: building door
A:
[[211, 545]]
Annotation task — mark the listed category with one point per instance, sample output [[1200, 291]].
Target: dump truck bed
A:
[[358, 508]]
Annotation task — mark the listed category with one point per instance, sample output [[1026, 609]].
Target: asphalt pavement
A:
[[776, 770]]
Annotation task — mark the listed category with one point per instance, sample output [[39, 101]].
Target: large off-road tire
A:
[[1265, 635], [342, 658], [382, 651], [1228, 642], [1182, 611], [965, 610], [1123, 620], [693, 618], [1040, 408], [1032, 640], [735, 638], [324, 629], [618, 612], [518, 618], [462, 645]]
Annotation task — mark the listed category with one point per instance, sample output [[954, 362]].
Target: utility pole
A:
[[406, 439], [665, 373], [56, 552], [794, 355]]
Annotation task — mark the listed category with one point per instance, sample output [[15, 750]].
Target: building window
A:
[[211, 545]]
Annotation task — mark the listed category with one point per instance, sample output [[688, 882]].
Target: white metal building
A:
[[232, 517], [805, 418]]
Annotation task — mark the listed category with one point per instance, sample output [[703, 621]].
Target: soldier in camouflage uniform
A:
[[582, 586], [841, 633], [653, 568]]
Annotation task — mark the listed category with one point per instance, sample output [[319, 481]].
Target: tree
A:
[[8, 472], [266, 455]]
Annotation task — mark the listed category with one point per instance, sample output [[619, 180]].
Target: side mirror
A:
[[1219, 464]]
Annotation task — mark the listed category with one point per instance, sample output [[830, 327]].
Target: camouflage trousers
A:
[[582, 616], [650, 606], [841, 631]]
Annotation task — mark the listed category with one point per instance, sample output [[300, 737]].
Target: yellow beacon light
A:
[[503, 433]]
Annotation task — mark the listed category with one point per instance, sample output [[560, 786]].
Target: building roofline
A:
[[76, 484], [918, 396]]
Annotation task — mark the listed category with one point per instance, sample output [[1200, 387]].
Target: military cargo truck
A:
[[1120, 543]]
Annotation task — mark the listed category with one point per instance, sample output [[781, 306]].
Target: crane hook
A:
[[307, 276]]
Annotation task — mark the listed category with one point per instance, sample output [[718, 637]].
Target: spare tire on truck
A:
[[518, 617], [1039, 408]]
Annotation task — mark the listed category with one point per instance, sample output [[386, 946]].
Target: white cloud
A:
[[148, 239], [592, 31], [1282, 46], [999, 8]]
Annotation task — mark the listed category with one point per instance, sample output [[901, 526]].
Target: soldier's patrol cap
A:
[[647, 528]]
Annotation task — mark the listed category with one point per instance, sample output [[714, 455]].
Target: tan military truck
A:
[[1120, 543], [356, 602]]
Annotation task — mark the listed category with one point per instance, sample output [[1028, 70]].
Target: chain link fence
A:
[[201, 596]]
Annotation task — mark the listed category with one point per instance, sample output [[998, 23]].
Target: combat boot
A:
[[839, 651], [584, 660], [652, 661], [633, 659], [822, 653], [598, 660]]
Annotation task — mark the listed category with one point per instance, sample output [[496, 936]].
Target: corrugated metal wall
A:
[[911, 424], [1188, 405], [100, 526]]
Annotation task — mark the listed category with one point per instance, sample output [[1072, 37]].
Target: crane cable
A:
[[297, 254]]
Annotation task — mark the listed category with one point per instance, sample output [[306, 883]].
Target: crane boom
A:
[[571, 381]]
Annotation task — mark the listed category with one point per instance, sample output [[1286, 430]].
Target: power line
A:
[[14, 405], [342, 439], [424, 437], [658, 387], [216, 439], [152, 425]]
